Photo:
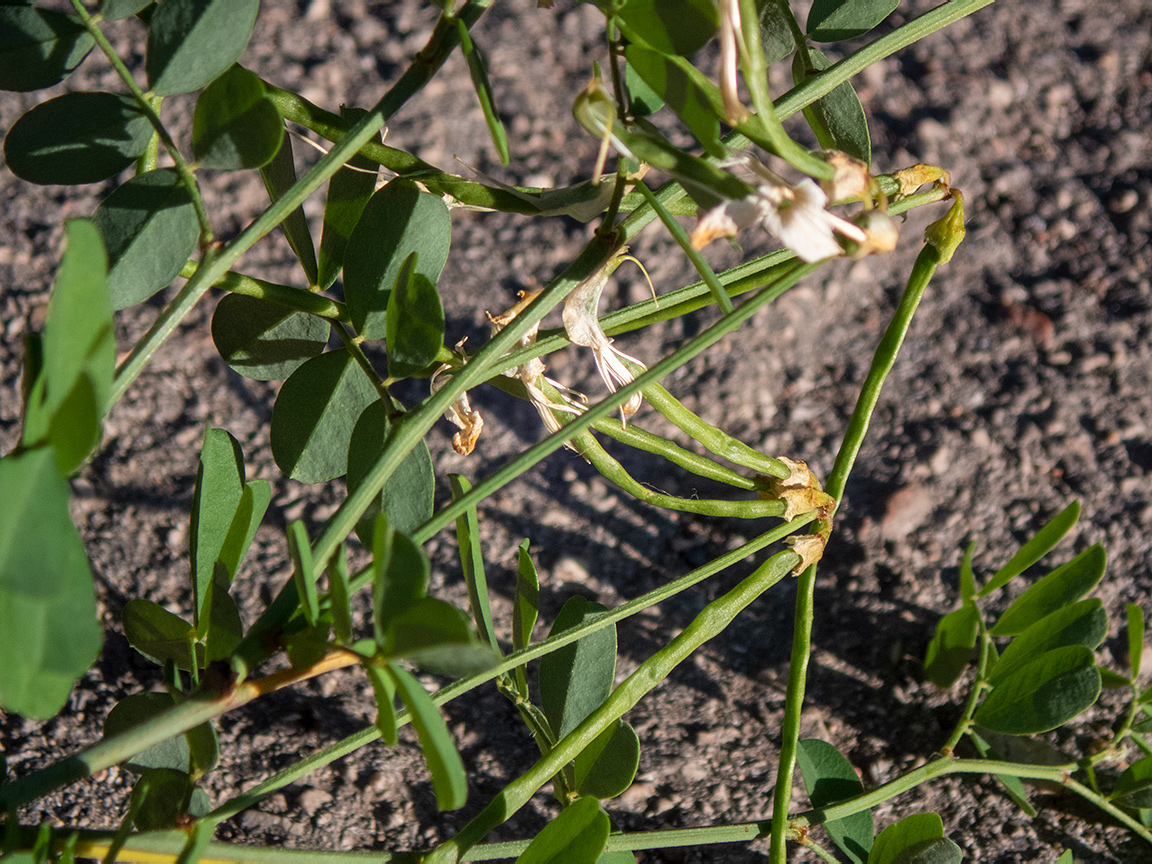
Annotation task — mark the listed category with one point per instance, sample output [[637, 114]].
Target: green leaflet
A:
[[150, 229], [39, 47], [190, 42], [77, 138], [315, 413], [49, 635], [397, 221], [576, 679], [830, 779], [236, 125]]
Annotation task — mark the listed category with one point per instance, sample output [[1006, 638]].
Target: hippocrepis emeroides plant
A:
[[372, 283]]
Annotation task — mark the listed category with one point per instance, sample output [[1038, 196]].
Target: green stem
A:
[[512, 661], [187, 176], [882, 363], [710, 622], [602, 409], [681, 237], [978, 688], [588, 447], [756, 77], [282, 295], [812, 89]]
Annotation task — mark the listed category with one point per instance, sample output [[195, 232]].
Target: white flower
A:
[[795, 215], [583, 328]]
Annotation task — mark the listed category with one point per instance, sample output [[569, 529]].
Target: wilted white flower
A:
[[731, 44], [531, 373], [583, 328], [795, 215], [460, 412]]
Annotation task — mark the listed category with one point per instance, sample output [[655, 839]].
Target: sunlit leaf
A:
[[158, 634], [837, 118], [917, 839], [680, 93], [44, 580], [1062, 586], [578, 834], [1034, 549], [449, 780], [607, 766], [235, 124], [401, 573], [525, 610], [190, 42], [833, 20], [672, 26], [1084, 623], [472, 562], [150, 229], [384, 689], [77, 138], [1135, 637], [479, 73], [436, 637], [219, 489], [1043, 693], [303, 573]]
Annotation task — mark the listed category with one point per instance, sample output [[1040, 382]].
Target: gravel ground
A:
[[1023, 385]]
